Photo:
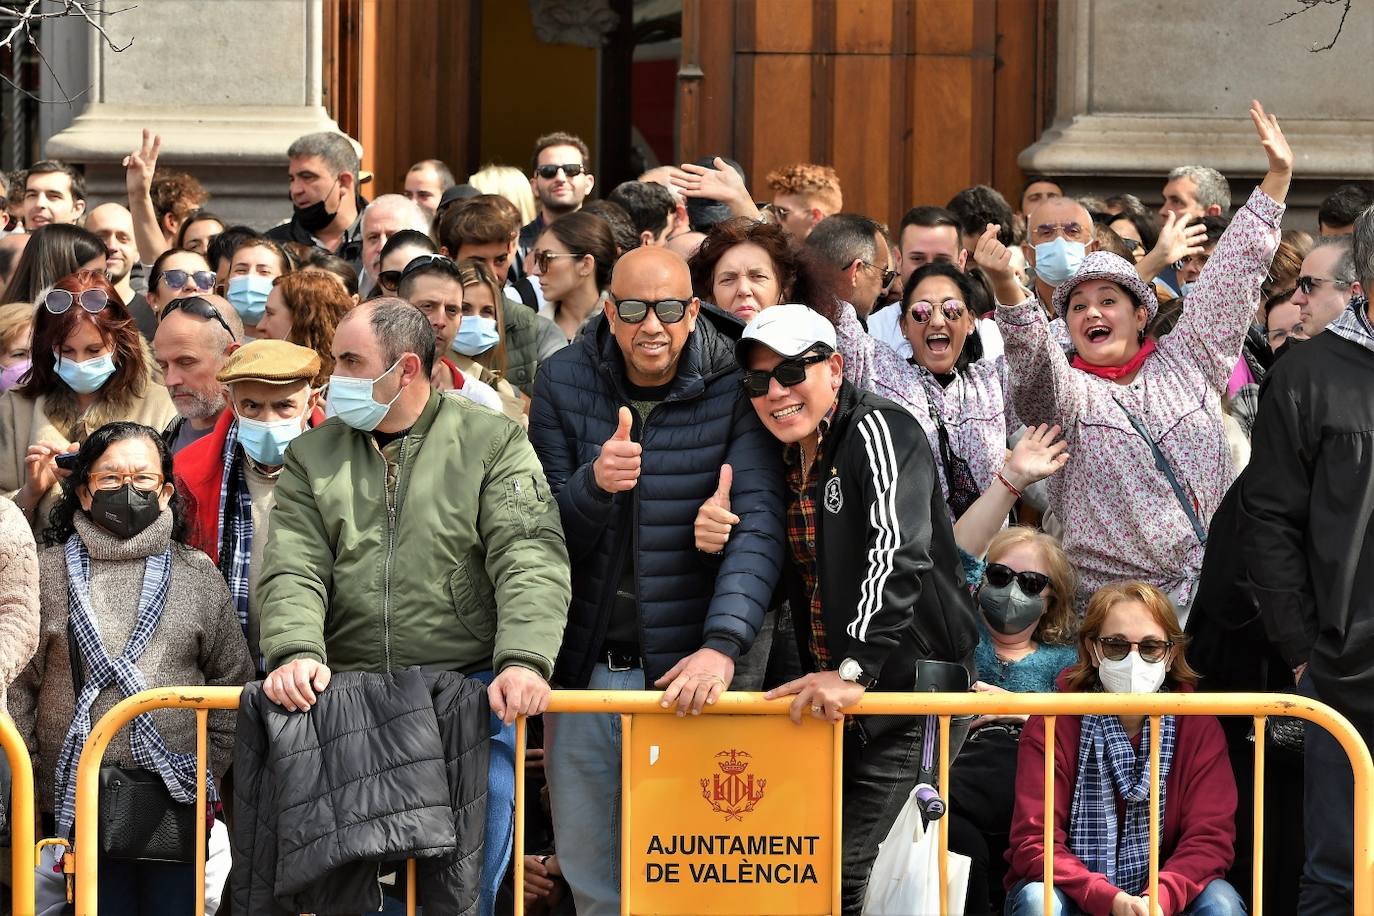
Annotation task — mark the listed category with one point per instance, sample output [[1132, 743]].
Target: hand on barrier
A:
[[295, 685], [981, 687], [518, 691], [714, 518], [821, 695], [696, 681], [616, 469]]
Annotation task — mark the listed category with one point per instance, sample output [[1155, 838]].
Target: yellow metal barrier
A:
[[21, 818], [630, 704]]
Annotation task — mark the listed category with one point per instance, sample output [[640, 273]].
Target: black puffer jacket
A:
[[687, 600], [382, 769]]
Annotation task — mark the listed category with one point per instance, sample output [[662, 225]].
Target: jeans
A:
[[146, 889], [1328, 876], [878, 777], [1028, 899], [499, 836], [582, 765]]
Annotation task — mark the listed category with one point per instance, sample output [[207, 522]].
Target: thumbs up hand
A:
[[616, 469], [714, 518]]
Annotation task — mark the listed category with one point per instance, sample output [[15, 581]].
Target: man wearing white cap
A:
[[861, 484]]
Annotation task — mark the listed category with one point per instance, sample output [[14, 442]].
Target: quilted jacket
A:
[[687, 600], [381, 769]]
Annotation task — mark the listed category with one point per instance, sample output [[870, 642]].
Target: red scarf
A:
[[1112, 373]]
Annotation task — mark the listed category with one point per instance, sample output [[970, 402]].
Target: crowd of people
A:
[[683, 440]]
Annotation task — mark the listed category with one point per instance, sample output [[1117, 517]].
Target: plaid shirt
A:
[[801, 533], [236, 530]]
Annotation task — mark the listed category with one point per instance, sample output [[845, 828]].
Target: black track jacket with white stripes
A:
[[892, 586]]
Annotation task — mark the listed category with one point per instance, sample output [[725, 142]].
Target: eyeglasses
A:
[[922, 310], [389, 280], [1308, 284], [542, 258], [570, 169], [1000, 576], [888, 274], [633, 311], [1279, 335], [58, 301], [1151, 650], [176, 279], [789, 372], [144, 481], [1046, 231], [420, 262], [195, 305]]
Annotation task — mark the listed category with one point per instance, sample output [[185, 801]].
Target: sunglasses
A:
[[789, 372], [389, 280], [633, 311], [176, 279], [194, 305], [1132, 245], [888, 275], [542, 259], [58, 301], [1000, 576], [1308, 284], [1151, 650], [570, 169], [418, 263], [922, 310]]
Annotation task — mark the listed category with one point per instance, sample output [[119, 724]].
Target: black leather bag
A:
[[140, 821]]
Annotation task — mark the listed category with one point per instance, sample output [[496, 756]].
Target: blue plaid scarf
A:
[[178, 771], [1109, 767], [236, 527]]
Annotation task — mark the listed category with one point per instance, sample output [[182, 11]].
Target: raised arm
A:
[[720, 183], [1221, 305], [1045, 389], [1036, 456], [139, 168]]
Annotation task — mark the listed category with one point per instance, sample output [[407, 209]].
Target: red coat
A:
[[199, 470], [1199, 830]]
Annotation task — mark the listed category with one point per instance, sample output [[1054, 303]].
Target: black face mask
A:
[[124, 512], [315, 217]]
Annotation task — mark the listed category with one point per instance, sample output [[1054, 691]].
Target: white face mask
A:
[[1131, 674]]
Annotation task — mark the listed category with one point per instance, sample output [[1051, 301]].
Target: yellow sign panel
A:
[[730, 815]]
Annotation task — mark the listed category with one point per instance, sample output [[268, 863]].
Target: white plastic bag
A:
[[216, 867], [905, 880]]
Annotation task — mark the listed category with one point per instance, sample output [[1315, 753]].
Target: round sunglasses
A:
[[1000, 576], [176, 279], [1116, 648], [922, 310], [58, 301]]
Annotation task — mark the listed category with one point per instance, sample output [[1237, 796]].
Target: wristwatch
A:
[[852, 671]]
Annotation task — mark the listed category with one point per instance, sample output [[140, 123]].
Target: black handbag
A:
[[140, 821]]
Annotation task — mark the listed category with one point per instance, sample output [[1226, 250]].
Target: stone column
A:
[[1142, 88], [228, 84]]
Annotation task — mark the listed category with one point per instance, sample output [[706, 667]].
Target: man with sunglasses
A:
[[560, 179], [639, 423], [195, 335], [873, 575], [1327, 283]]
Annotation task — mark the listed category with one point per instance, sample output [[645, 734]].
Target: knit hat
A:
[[276, 362], [1103, 265]]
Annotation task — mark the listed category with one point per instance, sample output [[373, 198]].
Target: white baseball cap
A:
[[787, 330]]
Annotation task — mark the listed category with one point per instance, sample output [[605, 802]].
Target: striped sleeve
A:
[[897, 501]]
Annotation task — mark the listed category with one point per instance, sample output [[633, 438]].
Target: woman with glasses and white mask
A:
[[573, 260], [89, 368], [960, 399], [1129, 642]]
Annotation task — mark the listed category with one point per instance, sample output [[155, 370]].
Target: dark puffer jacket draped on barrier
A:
[[383, 768]]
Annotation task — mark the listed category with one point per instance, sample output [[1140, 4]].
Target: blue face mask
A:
[[1058, 259], [476, 335], [351, 400], [88, 376], [248, 296], [266, 442]]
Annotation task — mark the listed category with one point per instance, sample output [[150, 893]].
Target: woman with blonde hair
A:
[[16, 337], [479, 348], [1129, 641], [510, 183]]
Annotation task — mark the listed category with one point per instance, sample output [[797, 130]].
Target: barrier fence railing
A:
[[21, 818], [652, 748]]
